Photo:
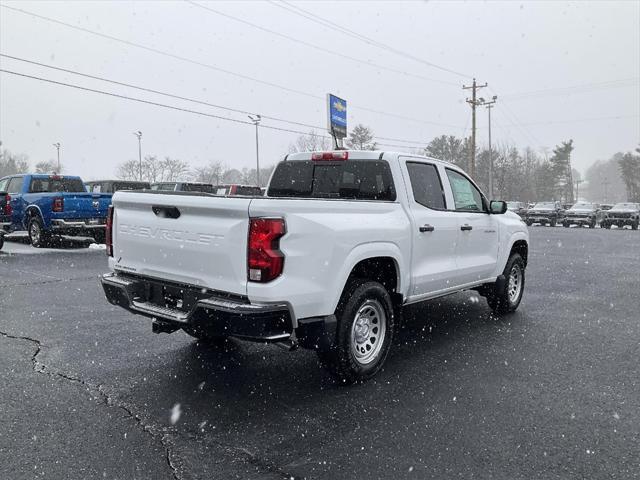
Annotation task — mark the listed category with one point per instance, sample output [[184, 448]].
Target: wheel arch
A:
[[381, 262], [29, 212]]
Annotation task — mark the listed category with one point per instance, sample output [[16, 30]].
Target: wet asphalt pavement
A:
[[550, 392]]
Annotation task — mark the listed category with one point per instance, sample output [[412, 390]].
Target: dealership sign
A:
[[337, 116]]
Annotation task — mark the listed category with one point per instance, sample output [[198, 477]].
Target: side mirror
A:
[[497, 207]]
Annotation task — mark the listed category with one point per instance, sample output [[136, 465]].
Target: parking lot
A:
[[550, 392]]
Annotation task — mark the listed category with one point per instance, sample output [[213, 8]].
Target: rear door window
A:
[[350, 179], [426, 185]]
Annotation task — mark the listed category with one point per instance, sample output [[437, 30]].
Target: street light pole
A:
[[489, 106], [256, 121], [139, 135], [57, 145]]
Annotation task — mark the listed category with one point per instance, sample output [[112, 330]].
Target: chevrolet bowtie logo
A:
[[96, 204], [339, 106]]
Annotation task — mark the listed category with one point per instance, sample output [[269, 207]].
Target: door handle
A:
[[166, 211], [427, 228], [466, 227]]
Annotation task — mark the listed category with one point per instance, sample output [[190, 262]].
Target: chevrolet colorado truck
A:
[[326, 260], [622, 214], [545, 213], [46, 205], [583, 213]]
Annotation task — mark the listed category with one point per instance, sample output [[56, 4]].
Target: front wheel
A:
[[1, 241], [364, 332], [506, 298], [552, 223], [37, 234], [528, 222], [566, 224], [606, 225]]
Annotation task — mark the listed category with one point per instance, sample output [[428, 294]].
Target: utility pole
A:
[[474, 103], [57, 145], [256, 121], [139, 135]]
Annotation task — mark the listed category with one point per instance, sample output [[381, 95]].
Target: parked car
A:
[[111, 186], [183, 187], [519, 208], [606, 206], [325, 261], [583, 213], [46, 205], [235, 189], [622, 214], [5, 215], [545, 213]]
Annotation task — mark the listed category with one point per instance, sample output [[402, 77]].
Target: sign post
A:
[[337, 119]]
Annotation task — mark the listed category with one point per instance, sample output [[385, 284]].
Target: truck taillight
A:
[[58, 204], [8, 209], [108, 232], [264, 259]]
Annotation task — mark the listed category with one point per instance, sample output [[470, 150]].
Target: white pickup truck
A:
[[326, 260]]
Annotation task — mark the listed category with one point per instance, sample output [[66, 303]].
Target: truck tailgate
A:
[[193, 239]]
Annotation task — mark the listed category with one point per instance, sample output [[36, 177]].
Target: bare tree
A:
[[11, 164], [210, 173], [174, 169], [48, 167], [312, 142]]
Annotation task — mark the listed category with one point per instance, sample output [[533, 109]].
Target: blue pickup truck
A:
[[47, 205]]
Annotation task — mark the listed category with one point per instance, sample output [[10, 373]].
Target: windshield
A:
[[545, 205], [625, 206], [583, 206]]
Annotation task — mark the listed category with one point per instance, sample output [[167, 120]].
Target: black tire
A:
[[528, 222], [1, 241], [592, 224], [503, 299], [99, 237], [552, 223], [202, 335], [606, 225], [39, 237], [634, 226], [358, 354], [566, 224]]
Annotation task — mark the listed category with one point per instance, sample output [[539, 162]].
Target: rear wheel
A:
[[528, 222], [364, 332], [566, 224], [1, 241], [552, 223], [506, 298], [37, 234], [634, 225], [606, 225]]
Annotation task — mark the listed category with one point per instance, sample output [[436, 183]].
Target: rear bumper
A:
[[79, 225], [220, 315]]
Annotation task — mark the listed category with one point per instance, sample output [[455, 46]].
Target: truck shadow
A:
[[57, 242]]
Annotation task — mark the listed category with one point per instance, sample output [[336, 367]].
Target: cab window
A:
[[426, 185], [15, 185], [466, 196]]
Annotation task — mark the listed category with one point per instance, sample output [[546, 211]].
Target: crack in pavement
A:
[[99, 392], [158, 433]]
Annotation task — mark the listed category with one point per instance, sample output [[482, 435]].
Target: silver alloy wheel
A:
[[34, 233], [368, 331], [515, 283]]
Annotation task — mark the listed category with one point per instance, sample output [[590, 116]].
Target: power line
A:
[[579, 120], [583, 88], [173, 107], [213, 67], [179, 97], [316, 47], [296, 10]]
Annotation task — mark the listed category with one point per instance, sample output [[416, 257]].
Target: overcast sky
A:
[[528, 52]]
